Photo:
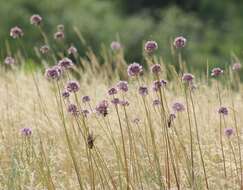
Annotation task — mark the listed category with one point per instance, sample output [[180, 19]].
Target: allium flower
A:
[[26, 132], [72, 108], [156, 68], [136, 120], [178, 107], [102, 108], [150, 46], [112, 91], [187, 77], [53, 73], [9, 60], [216, 72], [156, 102], [72, 50], [228, 132], [180, 42], [143, 90], [134, 69], [35, 19], [223, 110], [65, 94], [16, 32], [156, 85], [115, 101], [65, 63], [236, 66], [59, 35], [44, 49], [115, 46], [72, 86], [122, 86], [60, 27], [85, 112], [85, 99], [124, 103], [163, 82]]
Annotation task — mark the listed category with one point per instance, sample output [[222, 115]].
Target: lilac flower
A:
[[143, 90], [150, 46], [26, 132], [156, 68], [134, 69], [228, 132], [85, 112], [102, 108], [65, 63], [53, 73], [72, 108], [124, 103], [44, 49], [122, 86], [115, 101], [59, 35], [9, 60], [187, 77], [156, 85], [112, 91], [85, 99], [180, 42], [16, 32], [35, 19], [72, 86], [65, 94], [236, 66], [115, 46], [223, 110], [178, 107], [216, 72], [156, 102], [163, 82], [72, 50]]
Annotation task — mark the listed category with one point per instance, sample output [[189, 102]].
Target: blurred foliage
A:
[[213, 28]]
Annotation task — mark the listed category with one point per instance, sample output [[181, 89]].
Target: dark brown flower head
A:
[[90, 140]]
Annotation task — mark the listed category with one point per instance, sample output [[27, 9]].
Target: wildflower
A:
[[124, 103], [163, 82], [16, 32], [223, 110], [72, 50], [216, 72], [85, 99], [26, 132], [65, 63], [72, 86], [143, 90], [180, 42], [115, 46], [156, 68], [228, 132], [35, 19], [90, 140], [156, 102], [102, 108], [59, 35], [112, 91], [134, 69], [44, 49], [150, 46], [187, 77], [72, 108], [172, 116], [60, 27], [115, 101], [85, 112], [156, 85], [65, 94], [136, 120], [9, 60], [53, 73], [122, 86], [236, 66], [178, 107]]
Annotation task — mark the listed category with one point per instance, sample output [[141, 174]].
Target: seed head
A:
[[90, 140]]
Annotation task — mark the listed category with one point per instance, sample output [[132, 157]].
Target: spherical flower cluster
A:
[[143, 90], [102, 108], [163, 82], [112, 91], [65, 94], [44, 49], [223, 110], [16, 32], [179, 42], [59, 35], [65, 63], [156, 68], [156, 102], [35, 19], [72, 50], [53, 73], [134, 69], [122, 86], [9, 60], [236, 66], [26, 132], [85, 99], [115, 46], [228, 132], [178, 107], [72, 108], [85, 112], [115, 101], [72, 86], [150, 46], [216, 72], [156, 85], [187, 77], [124, 103]]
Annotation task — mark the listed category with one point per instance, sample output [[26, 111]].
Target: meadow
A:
[[76, 123]]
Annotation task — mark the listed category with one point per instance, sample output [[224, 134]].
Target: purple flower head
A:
[[72, 86], [59, 35], [134, 69], [53, 73], [65, 94], [60, 27], [223, 110], [236, 66], [72, 50], [85, 112], [143, 90], [179, 42], [16, 32], [65, 63], [163, 82], [85, 99], [156, 85], [35, 19], [115, 101], [44, 49], [178, 107], [72, 108], [156, 68], [102, 108], [115, 46], [124, 103], [228, 132], [112, 91], [187, 77], [122, 86], [150, 46], [9, 60], [216, 72], [156, 102], [26, 132]]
